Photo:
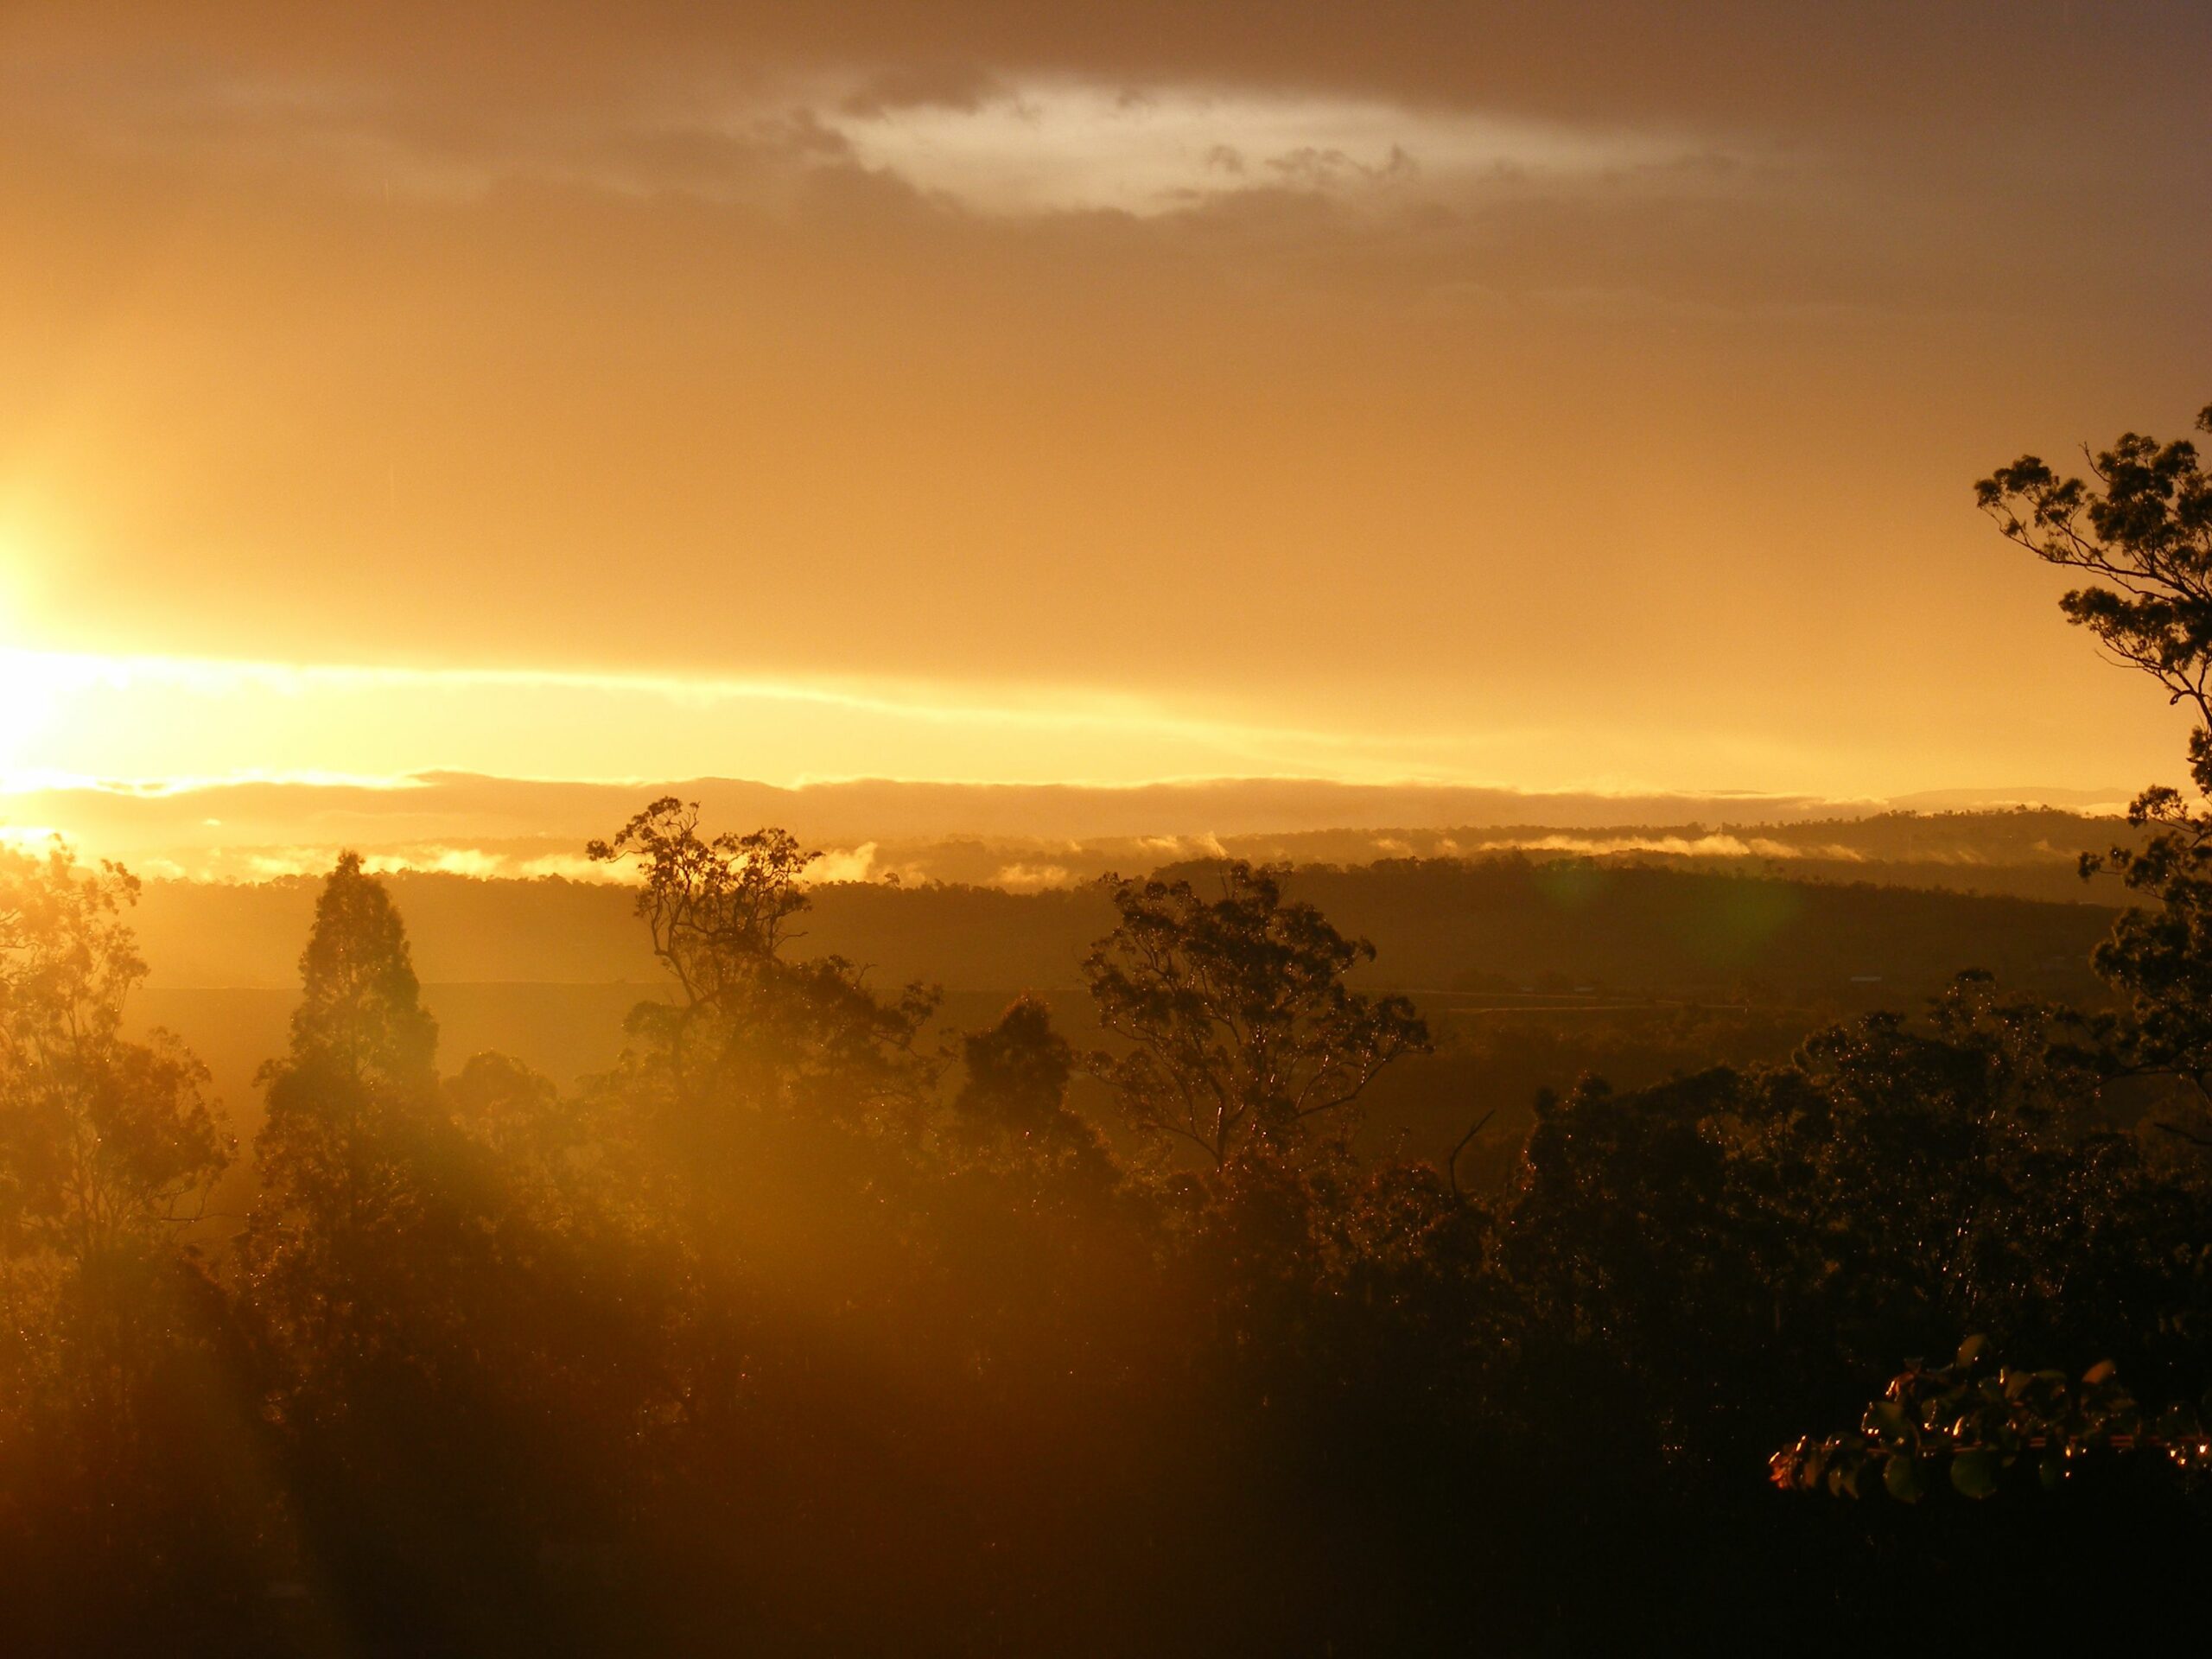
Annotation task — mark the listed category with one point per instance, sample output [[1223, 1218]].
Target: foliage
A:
[[105, 1142], [339, 1155], [2142, 532], [1012, 1104], [772, 1310], [115, 1440], [1971, 1422], [2140, 528], [718, 908], [753, 1023], [1242, 1030]]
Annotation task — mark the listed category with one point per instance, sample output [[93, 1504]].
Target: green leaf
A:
[[2051, 1472], [1973, 1474], [1901, 1479], [1891, 1420], [1971, 1352], [2103, 1371]]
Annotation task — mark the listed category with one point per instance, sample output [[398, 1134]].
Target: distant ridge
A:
[[2091, 801], [470, 824]]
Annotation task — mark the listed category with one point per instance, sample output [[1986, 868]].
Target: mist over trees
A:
[[803, 1325]]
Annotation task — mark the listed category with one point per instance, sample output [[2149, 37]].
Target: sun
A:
[[34, 683], [24, 699], [27, 697]]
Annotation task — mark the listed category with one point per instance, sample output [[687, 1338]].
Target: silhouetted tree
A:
[[753, 1023], [127, 1464], [2142, 532], [2077, 1238], [1243, 1033], [343, 1206], [2140, 528], [411, 1301], [104, 1142], [1013, 1105]]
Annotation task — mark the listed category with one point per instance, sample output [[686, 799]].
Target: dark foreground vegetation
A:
[[791, 1333]]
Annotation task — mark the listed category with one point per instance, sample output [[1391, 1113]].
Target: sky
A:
[[1544, 397]]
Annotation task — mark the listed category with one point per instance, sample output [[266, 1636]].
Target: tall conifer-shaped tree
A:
[[361, 1012], [389, 1307], [345, 1153]]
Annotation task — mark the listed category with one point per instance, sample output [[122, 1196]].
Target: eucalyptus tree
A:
[[2139, 529], [125, 1488], [1241, 1033], [751, 1023]]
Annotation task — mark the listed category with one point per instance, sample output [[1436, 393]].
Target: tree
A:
[[360, 1013], [2142, 533], [121, 1464], [2082, 1221], [1243, 1034], [426, 1308], [718, 907], [754, 1023], [103, 1143], [1014, 1102], [347, 1107]]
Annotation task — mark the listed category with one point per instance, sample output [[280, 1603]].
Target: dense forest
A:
[[1107, 1325]]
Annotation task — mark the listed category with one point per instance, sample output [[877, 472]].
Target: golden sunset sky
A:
[[1554, 398]]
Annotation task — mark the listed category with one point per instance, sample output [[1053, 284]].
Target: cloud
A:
[[153, 724], [1381, 391], [1061, 144], [1945, 62], [1019, 839], [1032, 877], [993, 141], [1721, 846], [961, 88], [843, 864]]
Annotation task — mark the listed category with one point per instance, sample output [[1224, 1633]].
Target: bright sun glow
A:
[[27, 682], [154, 720]]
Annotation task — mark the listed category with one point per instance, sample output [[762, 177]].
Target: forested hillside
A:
[[1500, 924]]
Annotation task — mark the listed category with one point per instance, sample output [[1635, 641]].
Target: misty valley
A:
[[731, 1261]]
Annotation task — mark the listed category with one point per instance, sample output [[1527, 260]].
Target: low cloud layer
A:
[[1023, 838]]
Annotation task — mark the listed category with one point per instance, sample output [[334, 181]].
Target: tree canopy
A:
[[1243, 1035]]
